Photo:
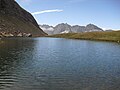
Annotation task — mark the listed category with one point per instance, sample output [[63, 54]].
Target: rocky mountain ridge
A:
[[66, 28]]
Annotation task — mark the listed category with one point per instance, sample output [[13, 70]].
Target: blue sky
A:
[[104, 13]]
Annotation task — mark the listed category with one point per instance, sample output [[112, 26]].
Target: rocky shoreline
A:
[[14, 34]]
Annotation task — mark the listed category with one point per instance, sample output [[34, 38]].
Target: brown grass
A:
[[102, 36]]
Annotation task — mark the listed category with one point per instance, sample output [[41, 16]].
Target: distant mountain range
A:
[[66, 28]]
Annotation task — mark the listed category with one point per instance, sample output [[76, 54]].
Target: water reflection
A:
[[13, 53], [62, 64]]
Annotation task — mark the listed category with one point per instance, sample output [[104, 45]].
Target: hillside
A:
[[102, 36], [16, 20]]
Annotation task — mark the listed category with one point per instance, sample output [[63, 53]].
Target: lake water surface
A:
[[58, 64]]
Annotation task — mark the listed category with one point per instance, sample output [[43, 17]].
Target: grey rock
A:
[[77, 29], [62, 28], [91, 27], [66, 28], [47, 29], [110, 30]]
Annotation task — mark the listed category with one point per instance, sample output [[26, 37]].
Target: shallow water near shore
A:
[[59, 64]]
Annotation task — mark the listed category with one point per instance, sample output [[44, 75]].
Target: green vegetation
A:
[[113, 36]]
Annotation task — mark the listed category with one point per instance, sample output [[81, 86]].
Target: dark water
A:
[[59, 64]]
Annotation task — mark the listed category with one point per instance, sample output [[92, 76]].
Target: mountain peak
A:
[[66, 28], [92, 27]]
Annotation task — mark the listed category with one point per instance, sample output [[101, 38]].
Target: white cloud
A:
[[24, 1], [75, 1], [46, 11]]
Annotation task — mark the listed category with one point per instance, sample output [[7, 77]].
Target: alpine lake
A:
[[59, 64]]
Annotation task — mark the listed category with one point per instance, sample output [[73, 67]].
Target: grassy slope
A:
[[102, 36], [12, 24]]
